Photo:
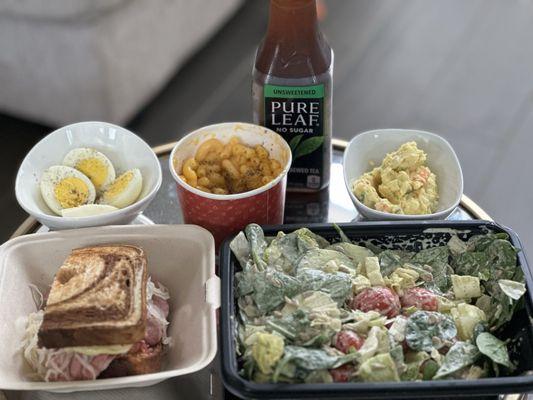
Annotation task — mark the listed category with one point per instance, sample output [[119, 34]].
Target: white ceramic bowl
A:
[[125, 150], [368, 149], [181, 257]]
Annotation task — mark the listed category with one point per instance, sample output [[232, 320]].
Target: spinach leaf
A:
[[271, 287], [299, 329], [436, 258], [482, 242], [244, 283], [493, 348], [431, 255], [258, 244], [338, 286], [460, 355], [473, 264], [396, 352], [500, 307], [389, 260], [325, 260], [490, 257], [300, 358], [441, 272], [502, 253], [427, 330]]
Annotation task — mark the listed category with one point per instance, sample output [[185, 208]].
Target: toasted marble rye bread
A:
[[98, 298]]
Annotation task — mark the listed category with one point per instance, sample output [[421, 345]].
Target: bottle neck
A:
[[293, 47], [293, 21]]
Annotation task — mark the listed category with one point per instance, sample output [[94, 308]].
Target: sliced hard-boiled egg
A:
[[87, 210], [124, 190], [93, 164], [66, 187]]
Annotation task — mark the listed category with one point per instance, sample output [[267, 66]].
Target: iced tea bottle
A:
[[292, 87]]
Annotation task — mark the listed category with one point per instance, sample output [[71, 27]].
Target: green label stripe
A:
[[294, 92]]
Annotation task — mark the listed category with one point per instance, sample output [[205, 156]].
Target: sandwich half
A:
[[103, 318]]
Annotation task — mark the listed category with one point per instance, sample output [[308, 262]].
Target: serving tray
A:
[[330, 205]]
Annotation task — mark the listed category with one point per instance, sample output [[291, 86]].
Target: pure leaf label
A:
[[295, 141], [308, 146], [493, 348], [297, 114]]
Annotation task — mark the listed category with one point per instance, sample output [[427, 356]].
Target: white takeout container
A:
[[368, 149], [124, 149], [181, 257]]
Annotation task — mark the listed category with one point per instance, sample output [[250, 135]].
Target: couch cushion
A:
[[58, 10]]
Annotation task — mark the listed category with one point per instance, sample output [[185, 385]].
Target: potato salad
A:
[[310, 311], [402, 184]]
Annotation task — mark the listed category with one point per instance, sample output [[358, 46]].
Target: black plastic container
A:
[[391, 234]]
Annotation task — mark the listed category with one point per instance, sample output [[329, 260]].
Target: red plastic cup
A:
[[224, 215]]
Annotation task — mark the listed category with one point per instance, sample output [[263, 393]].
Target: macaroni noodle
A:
[[229, 168]]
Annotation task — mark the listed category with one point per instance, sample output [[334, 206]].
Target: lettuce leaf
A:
[[356, 253], [512, 289], [380, 368]]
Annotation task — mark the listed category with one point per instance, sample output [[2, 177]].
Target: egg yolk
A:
[[95, 170], [119, 185], [71, 192]]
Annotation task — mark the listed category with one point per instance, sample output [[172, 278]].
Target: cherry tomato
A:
[[348, 339], [380, 299], [420, 298], [342, 373]]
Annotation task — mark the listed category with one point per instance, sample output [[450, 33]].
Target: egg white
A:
[[121, 196], [53, 176], [87, 210], [75, 157]]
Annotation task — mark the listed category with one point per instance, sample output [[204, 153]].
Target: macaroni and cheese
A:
[[229, 168]]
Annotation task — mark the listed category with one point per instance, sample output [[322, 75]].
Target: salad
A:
[[310, 311]]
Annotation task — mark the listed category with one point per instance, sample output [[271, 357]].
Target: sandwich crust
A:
[[98, 298]]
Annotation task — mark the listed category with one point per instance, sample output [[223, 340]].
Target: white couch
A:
[[70, 60]]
